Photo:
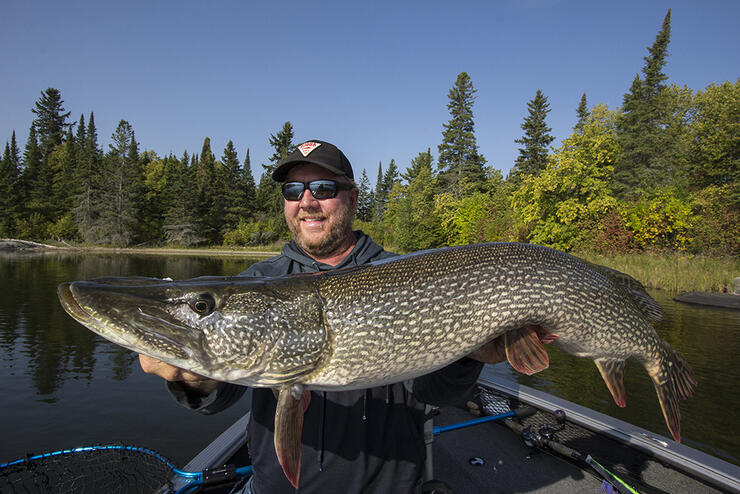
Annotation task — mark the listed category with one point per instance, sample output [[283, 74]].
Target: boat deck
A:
[[493, 458], [510, 466]]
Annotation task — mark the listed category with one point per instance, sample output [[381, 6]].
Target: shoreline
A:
[[15, 245], [653, 272]]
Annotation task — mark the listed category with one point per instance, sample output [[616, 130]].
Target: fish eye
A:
[[203, 304]]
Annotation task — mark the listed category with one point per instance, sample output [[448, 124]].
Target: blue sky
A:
[[371, 77]]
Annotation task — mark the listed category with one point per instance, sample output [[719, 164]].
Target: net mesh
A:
[[108, 470]]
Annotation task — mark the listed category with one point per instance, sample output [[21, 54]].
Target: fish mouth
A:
[[137, 329], [73, 308]]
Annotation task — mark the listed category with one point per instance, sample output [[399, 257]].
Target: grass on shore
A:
[[674, 272]]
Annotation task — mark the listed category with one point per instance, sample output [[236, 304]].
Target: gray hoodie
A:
[[362, 441]]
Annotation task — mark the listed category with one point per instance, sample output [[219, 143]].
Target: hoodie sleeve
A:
[[449, 386], [225, 395]]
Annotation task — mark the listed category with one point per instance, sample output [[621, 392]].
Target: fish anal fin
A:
[[525, 351], [612, 371], [292, 403]]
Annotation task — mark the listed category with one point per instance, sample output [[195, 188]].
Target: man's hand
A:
[[194, 382], [494, 351]]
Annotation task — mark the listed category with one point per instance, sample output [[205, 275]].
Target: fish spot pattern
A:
[[402, 318]]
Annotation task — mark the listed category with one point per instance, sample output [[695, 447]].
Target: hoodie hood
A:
[[294, 260], [364, 251]]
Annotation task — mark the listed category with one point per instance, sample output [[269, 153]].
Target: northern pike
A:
[[386, 322]]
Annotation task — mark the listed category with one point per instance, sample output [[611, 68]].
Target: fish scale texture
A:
[[408, 316]]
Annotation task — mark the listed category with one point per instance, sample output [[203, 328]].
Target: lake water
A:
[[62, 386]]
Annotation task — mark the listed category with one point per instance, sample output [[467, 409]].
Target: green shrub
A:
[[662, 221]]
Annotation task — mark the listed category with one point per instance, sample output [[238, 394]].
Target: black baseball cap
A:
[[321, 153]]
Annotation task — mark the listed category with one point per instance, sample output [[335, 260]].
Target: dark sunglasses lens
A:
[[293, 191], [323, 189]]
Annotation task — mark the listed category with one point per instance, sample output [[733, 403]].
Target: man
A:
[[362, 441]]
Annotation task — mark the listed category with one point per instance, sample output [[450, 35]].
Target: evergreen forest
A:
[[659, 173]]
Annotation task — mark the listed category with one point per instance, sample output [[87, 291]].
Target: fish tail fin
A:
[[674, 381], [612, 371]]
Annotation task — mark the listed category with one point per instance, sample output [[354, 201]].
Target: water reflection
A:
[[57, 377], [38, 335]]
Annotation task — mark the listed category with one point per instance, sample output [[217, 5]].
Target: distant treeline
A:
[[660, 172]]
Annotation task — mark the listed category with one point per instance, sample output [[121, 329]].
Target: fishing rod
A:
[[128, 468], [545, 440]]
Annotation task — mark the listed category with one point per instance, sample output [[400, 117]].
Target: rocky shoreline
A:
[[15, 244]]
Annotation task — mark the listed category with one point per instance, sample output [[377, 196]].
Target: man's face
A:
[[320, 228]]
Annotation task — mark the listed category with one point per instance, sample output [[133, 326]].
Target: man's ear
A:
[[353, 195]]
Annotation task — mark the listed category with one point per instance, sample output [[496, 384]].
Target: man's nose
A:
[[308, 200]]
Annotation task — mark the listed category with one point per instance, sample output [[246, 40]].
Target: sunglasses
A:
[[320, 189]]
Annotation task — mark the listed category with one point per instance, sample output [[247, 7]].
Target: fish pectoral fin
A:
[[674, 381], [292, 403], [612, 371], [525, 351]]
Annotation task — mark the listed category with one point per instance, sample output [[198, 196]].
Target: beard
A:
[[336, 237]]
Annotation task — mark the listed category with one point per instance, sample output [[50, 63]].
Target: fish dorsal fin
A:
[[647, 305], [612, 371], [292, 402], [524, 350]]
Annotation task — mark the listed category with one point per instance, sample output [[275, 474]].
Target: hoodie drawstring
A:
[[321, 431]]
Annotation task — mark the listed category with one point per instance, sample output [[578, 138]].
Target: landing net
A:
[[94, 469]]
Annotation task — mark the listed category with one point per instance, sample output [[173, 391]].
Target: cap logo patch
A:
[[307, 147]]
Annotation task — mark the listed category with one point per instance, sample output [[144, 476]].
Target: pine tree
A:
[[645, 130], [415, 223], [207, 190], [422, 161], [64, 186], [234, 191], [282, 143], [378, 197], [51, 120], [90, 182], [14, 152], [10, 200], [582, 113], [364, 199], [532, 157], [30, 178], [382, 192], [9, 173], [49, 127], [460, 165], [390, 177], [250, 189], [654, 63], [269, 197], [118, 216], [179, 223]]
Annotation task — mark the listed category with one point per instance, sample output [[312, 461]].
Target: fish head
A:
[[231, 329]]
